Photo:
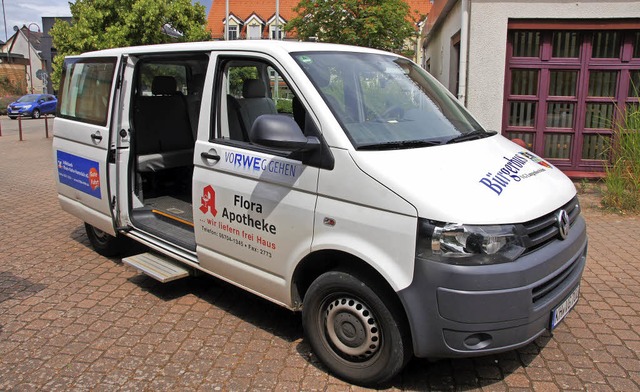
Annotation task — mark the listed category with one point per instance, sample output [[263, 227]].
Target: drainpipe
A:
[[226, 21], [464, 48]]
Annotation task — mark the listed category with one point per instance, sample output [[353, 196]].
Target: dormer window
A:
[[276, 34], [276, 30], [254, 31], [233, 32]]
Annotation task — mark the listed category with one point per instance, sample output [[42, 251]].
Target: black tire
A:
[[104, 243], [36, 114], [360, 335]]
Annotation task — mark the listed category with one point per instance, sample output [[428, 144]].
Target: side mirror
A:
[[41, 100], [281, 132]]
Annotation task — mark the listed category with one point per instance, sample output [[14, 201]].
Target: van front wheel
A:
[[354, 330], [104, 243]]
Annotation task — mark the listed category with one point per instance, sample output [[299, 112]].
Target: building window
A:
[[526, 43], [233, 32], [566, 44], [279, 34], [454, 64], [254, 32], [605, 44], [565, 89]]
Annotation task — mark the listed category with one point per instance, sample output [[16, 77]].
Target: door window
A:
[[249, 89]]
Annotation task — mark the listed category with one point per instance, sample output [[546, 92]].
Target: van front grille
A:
[[539, 232]]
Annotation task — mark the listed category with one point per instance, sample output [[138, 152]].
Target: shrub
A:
[[7, 87], [622, 181], [5, 101], [284, 105]]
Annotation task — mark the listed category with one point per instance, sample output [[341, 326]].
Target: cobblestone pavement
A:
[[73, 320]]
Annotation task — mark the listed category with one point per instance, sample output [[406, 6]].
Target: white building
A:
[[552, 73], [27, 43]]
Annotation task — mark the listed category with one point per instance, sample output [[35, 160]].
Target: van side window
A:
[[247, 90], [166, 106], [148, 71], [86, 88]]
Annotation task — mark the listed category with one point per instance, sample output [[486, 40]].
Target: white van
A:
[[339, 181]]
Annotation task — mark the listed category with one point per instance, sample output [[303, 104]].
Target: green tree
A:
[[102, 24], [381, 24]]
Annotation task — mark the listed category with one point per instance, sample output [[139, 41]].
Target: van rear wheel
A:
[[354, 330], [104, 243]]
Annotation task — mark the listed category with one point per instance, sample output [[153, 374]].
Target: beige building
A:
[[27, 43], [552, 73]]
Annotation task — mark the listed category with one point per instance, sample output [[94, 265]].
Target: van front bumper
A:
[[462, 311]]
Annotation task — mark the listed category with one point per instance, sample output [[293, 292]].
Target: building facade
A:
[[250, 19], [556, 75], [48, 51], [26, 43]]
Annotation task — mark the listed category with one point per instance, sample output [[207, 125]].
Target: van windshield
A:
[[387, 102]]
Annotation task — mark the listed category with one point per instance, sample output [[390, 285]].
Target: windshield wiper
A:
[[477, 134], [399, 145]]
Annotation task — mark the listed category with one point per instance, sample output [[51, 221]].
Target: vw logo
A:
[[562, 219]]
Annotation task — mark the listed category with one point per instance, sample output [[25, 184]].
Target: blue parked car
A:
[[32, 105]]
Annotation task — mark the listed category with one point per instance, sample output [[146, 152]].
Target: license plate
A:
[[564, 308]]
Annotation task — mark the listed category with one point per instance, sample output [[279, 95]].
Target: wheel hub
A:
[[351, 328]]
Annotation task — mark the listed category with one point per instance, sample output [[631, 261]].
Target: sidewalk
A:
[[73, 320], [31, 128]]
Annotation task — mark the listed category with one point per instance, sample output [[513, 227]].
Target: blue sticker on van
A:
[[79, 173]]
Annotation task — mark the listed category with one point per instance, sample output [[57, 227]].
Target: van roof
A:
[[243, 45]]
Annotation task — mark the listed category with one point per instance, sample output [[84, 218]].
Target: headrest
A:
[[253, 88], [163, 85]]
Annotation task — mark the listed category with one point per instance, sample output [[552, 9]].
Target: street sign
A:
[[40, 74]]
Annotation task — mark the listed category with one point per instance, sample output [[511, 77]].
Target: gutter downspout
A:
[[464, 48], [226, 21]]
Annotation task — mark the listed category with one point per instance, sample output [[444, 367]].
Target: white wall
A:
[[488, 43], [439, 48], [22, 47]]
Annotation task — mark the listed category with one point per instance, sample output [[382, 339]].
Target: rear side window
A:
[[149, 71], [86, 88]]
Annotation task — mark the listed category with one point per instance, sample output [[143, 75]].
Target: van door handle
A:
[[96, 137], [207, 155]]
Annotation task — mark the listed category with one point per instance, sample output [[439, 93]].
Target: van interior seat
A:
[[254, 102], [237, 128], [163, 134], [194, 101]]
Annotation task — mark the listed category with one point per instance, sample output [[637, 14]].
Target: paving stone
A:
[[73, 320]]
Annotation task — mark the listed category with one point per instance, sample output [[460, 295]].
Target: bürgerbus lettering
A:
[[505, 175]]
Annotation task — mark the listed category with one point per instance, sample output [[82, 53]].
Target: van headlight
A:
[[460, 244]]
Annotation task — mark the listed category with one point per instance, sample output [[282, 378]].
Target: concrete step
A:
[[158, 267]]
